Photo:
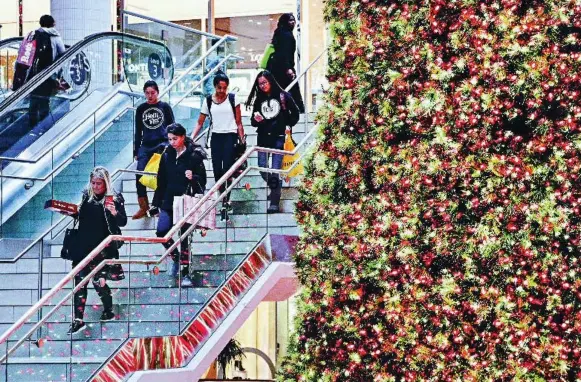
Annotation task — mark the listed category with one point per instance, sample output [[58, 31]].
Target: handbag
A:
[[150, 181], [70, 242], [239, 150], [289, 160], [114, 272], [268, 51], [183, 204]]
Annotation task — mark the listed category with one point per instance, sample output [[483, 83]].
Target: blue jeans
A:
[[273, 180], [164, 225]]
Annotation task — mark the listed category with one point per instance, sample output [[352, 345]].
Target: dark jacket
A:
[[151, 122], [96, 223], [276, 118], [285, 46], [171, 176]]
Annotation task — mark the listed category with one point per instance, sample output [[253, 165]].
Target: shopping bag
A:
[[150, 181], [289, 160], [182, 205], [27, 51], [268, 51]]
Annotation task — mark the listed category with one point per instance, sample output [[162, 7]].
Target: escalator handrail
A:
[[177, 26], [11, 40], [28, 87]]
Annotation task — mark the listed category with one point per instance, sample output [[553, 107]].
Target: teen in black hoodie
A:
[[181, 170], [273, 111], [151, 121]]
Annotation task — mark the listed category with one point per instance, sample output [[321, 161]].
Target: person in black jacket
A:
[[181, 171], [151, 121], [282, 62], [273, 111], [100, 214]]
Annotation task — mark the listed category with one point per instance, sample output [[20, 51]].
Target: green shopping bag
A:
[[268, 51]]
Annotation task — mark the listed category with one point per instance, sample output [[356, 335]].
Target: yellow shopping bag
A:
[[150, 181], [289, 160]]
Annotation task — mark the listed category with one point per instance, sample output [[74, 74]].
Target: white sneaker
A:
[[187, 282]]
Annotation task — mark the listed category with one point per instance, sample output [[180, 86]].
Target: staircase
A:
[[147, 302]]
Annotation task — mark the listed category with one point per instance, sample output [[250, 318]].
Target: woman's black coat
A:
[[88, 221], [171, 178]]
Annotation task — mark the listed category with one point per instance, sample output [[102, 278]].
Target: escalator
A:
[[88, 69], [83, 72], [8, 52]]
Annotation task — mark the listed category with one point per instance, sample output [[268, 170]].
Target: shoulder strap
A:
[[231, 98], [209, 104]]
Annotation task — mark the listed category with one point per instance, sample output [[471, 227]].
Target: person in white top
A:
[[223, 109]]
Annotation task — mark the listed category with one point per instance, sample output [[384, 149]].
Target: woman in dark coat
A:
[[100, 214], [273, 112], [282, 61], [181, 171]]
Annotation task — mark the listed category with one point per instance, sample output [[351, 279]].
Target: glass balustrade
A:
[[8, 53]]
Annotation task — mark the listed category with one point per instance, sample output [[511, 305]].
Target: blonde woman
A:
[[100, 214]]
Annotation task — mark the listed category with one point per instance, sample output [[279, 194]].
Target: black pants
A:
[[284, 80], [39, 106], [38, 110], [80, 298], [223, 157]]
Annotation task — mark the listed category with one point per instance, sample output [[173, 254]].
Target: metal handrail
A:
[[28, 87], [296, 80], [89, 140], [177, 226], [70, 276], [11, 40], [173, 25]]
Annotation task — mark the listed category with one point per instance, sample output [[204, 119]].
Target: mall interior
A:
[[244, 285]]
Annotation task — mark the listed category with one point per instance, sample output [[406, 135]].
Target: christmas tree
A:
[[441, 209]]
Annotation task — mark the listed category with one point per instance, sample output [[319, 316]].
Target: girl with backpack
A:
[[273, 111], [223, 109]]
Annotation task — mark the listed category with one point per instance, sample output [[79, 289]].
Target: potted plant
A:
[[231, 353]]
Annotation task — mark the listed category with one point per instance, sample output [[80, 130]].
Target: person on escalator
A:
[[100, 214], [273, 111], [181, 171], [151, 121], [49, 46]]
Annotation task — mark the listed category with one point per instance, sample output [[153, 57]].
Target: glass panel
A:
[[8, 52], [185, 45], [77, 82]]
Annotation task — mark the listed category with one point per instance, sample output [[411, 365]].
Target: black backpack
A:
[[43, 54]]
